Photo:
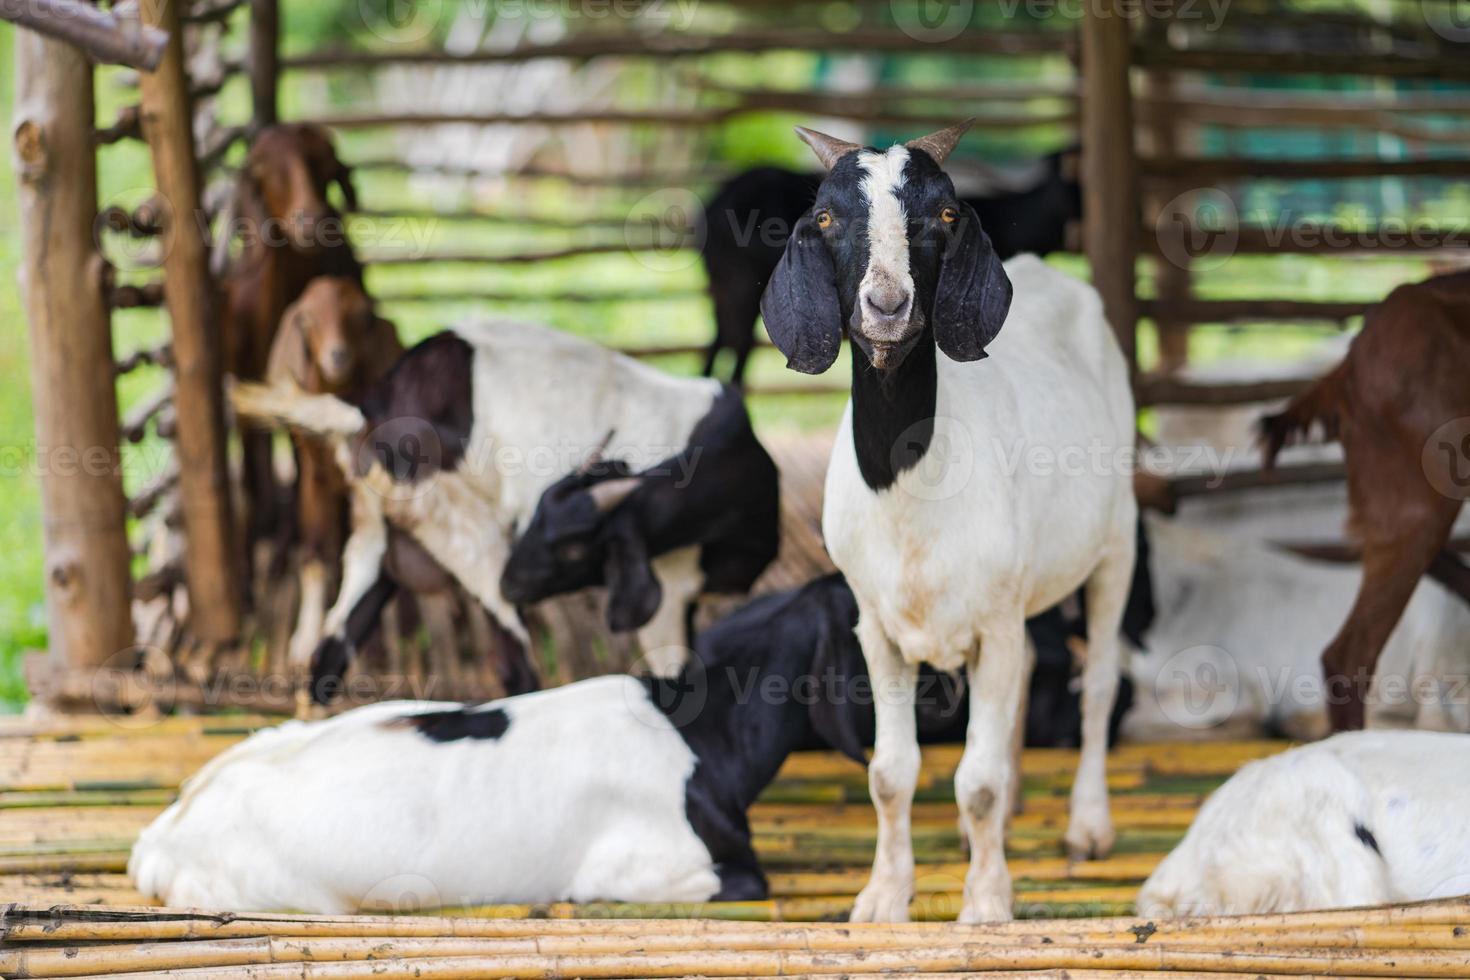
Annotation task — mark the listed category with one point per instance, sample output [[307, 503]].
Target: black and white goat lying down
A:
[[614, 788], [458, 443], [949, 526], [1361, 819]]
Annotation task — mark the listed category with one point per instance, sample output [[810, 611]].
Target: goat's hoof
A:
[[1090, 840], [881, 903], [985, 911]]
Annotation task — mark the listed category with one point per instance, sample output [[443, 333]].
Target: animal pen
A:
[[1158, 109], [145, 598]]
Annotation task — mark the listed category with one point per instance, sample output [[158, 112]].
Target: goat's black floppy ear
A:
[[974, 292], [835, 714], [633, 590], [800, 305]]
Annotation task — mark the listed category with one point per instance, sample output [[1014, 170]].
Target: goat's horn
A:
[[595, 457], [610, 493], [940, 144], [829, 149]]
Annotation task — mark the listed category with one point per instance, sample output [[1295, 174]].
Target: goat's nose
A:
[[886, 301], [339, 359]]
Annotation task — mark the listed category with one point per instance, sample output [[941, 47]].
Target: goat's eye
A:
[[824, 220], [949, 216]]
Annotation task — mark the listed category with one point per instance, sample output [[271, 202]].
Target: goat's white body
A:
[[1024, 494], [582, 798], [1233, 649], [543, 401], [978, 524], [1281, 835]]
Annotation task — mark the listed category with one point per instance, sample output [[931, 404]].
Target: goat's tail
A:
[[1322, 404], [323, 415]]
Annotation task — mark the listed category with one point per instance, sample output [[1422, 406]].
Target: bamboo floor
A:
[[74, 794]]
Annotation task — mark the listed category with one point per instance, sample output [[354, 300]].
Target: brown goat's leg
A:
[[1391, 572]]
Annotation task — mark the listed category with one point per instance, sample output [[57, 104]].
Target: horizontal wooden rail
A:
[[986, 93], [141, 505], [1203, 171], [1379, 120], [482, 296], [671, 45], [429, 214], [212, 11], [135, 424], [1444, 67], [672, 178], [162, 356], [129, 297], [1175, 391], [516, 258], [686, 118], [1309, 237], [1237, 481], [1227, 310]]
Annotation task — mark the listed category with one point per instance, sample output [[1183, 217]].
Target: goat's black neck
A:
[[893, 413]]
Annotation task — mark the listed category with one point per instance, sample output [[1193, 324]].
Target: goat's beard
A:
[[887, 353]]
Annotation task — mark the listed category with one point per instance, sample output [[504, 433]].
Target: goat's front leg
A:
[[892, 776], [665, 638], [985, 778], [362, 571], [1090, 828]]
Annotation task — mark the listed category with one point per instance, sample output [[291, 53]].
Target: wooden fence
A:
[[1141, 94]]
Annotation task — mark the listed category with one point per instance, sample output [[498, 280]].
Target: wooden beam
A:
[[1173, 391], [1211, 169], [671, 45], [264, 62], [1238, 480], [1110, 189], [1314, 237], [87, 578], [103, 35], [210, 565], [1225, 310], [1448, 67]]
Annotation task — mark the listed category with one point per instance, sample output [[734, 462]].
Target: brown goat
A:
[[1400, 404], [330, 342], [290, 234]]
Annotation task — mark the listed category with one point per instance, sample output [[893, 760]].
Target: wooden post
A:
[[88, 582], [210, 568], [265, 61], [1110, 211], [1173, 281]]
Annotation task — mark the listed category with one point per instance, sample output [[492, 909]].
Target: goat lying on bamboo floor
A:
[[290, 234], [1232, 649], [614, 788], [1400, 404], [1364, 818], [457, 444]]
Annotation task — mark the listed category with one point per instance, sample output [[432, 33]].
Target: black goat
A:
[[751, 216]]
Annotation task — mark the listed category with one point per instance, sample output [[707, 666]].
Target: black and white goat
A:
[[457, 444], [961, 496], [749, 219], [615, 788], [1361, 819]]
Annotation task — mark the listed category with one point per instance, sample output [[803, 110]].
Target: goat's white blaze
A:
[[888, 236]]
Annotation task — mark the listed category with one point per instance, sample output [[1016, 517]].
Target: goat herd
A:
[[523, 463]]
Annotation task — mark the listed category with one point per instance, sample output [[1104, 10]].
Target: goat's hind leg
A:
[[1090, 828], [892, 776]]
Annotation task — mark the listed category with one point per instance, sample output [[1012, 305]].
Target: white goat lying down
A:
[[1233, 647], [1364, 818], [613, 788]]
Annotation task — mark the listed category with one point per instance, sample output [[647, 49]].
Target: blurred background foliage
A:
[[682, 317]]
